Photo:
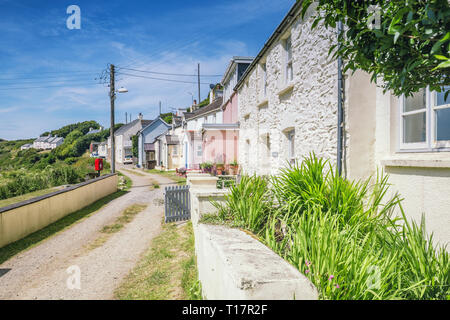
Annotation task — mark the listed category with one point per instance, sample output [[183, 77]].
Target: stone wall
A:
[[308, 104]]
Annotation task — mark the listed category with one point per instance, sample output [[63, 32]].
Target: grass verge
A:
[[167, 271], [126, 217], [125, 182], [35, 238], [168, 174]]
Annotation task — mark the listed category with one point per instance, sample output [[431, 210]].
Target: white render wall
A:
[[308, 104]]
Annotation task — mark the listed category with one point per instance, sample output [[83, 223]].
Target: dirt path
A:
[[42, 271]]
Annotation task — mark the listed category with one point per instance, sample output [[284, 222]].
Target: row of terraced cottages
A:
[[278, 107]]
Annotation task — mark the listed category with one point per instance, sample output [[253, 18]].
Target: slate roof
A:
[[172, 139], [127, 126], [217, 103]]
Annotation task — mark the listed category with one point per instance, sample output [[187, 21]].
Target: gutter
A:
[[340, 95]]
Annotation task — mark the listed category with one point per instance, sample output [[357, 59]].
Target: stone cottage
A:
[[288, 107]]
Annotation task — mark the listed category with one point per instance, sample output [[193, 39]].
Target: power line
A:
[[172, 74], [45, 80], [48, 72], [39, 87], [161, 79]]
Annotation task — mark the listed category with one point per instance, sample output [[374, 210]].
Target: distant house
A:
[[47, 142], [168, 150], [103, 149], [123, 138], [146, 140], [92, 130], [26, 146]]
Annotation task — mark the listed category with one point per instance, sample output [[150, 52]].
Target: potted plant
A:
[[234, 166], [206, 167], [219, 168]]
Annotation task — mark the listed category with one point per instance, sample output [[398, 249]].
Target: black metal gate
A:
[[177, 204]]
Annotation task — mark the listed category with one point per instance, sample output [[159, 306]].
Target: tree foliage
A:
[[83, 127], [409, 49]]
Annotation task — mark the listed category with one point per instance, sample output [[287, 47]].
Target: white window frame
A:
[[291, 145], [264, 79], [430, 144], [288, 62]]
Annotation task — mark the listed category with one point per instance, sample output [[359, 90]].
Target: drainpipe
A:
[[340, 134]]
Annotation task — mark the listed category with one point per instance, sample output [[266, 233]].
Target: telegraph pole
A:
[[112, 96], [160, 108], [199, 100]]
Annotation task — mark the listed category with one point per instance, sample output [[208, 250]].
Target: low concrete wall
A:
[[233, 265], [23, 218]]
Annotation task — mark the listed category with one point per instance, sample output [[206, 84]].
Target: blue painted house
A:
[[146, 140]]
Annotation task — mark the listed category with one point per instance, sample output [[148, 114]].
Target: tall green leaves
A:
[[341, 234], [248, 203]]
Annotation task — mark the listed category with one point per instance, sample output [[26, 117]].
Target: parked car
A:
[[128, 160]]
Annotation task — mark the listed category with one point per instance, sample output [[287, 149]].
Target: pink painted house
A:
[[221, 138], [212, 132]]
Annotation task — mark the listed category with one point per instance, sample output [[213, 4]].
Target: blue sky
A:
[[47, 72]]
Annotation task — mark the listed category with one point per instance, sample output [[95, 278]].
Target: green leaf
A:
[[442, 65], [439, 57]]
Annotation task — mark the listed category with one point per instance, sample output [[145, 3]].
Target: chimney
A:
[[194, 106], [140, 116]]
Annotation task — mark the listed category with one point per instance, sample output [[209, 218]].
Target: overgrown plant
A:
[[341, 234], [248, 204]]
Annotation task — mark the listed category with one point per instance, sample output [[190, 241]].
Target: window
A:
[[199, 151], [175, 150], [288, 53], [425, 120], [291, 146], [264, 79]]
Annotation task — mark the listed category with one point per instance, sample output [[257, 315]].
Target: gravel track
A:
[[41, 272]]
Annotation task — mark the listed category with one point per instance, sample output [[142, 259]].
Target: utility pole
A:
[[126, 117], [199, 100], [112, 96], [160, 108]]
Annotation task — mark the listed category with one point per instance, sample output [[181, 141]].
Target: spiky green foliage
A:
[[342, 235]]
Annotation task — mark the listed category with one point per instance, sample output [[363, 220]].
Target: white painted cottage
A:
[[288, 107]]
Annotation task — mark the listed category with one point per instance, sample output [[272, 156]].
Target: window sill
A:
[[286, 89], [263, 102], [416, 163]]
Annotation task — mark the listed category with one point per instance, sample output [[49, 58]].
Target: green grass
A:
[[168, 174], [168, 269], [27, 196], [35, 238], [125, 183]]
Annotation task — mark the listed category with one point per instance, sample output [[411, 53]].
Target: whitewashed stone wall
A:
[[308, 104]]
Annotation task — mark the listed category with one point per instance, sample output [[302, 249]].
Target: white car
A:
[[128, 160]]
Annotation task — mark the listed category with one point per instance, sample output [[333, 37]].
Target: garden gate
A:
[[177, 204]]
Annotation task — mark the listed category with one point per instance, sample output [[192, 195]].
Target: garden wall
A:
[[23, 218], [234, 265]]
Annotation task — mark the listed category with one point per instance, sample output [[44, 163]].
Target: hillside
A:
[[31, 170]]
